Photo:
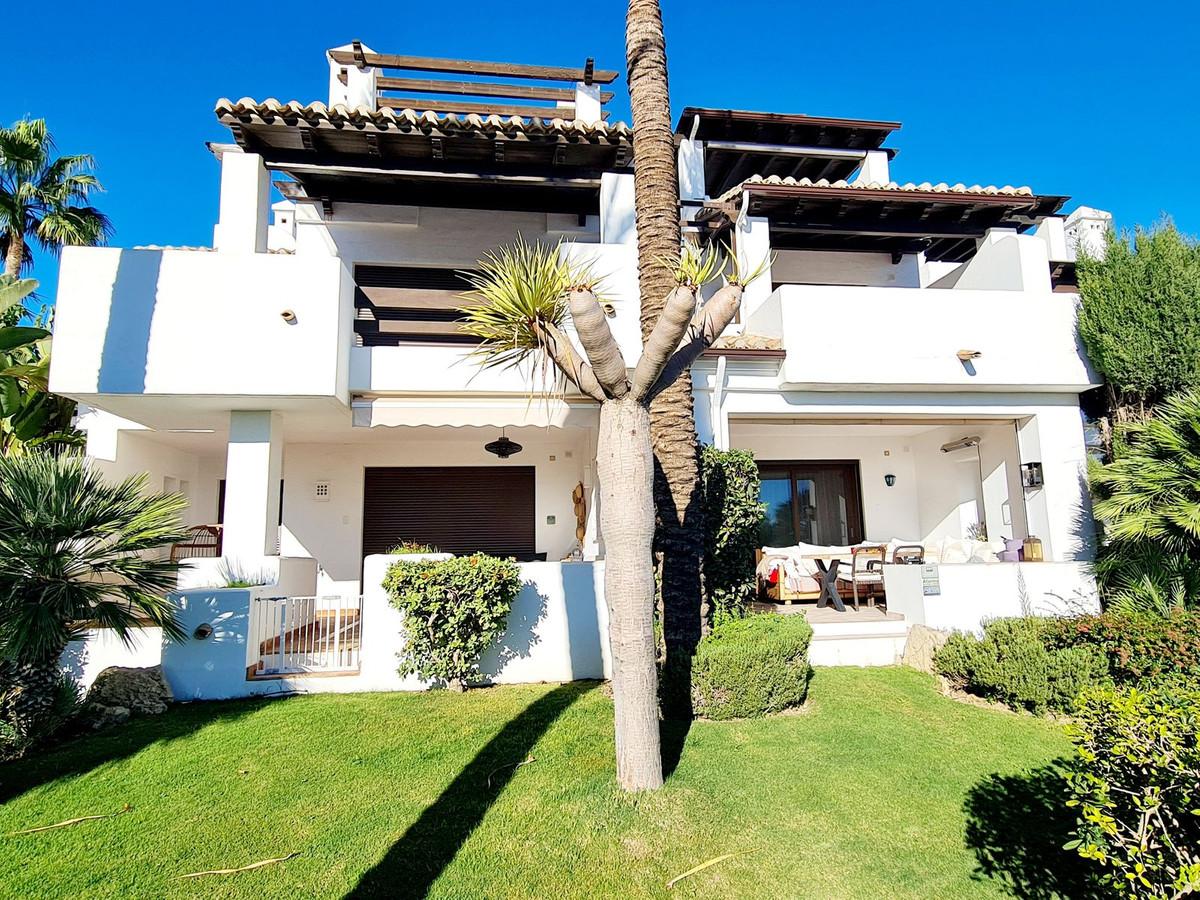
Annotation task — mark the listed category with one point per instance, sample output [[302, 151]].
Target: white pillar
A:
[[253, 467], [348, 84], [245, 203], [874, 169], [753, 246], [691, 170], [588, 107], [617, 223]]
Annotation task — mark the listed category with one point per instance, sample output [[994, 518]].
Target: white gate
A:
[[298, 635]]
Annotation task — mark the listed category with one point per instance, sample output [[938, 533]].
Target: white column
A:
[[617, 222], [253, 467], [874, 168], [245, 203], [588, 107], [691, 170], [1060, 511], [753, 247], [348, 84]]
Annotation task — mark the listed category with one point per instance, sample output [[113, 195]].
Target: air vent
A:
[[321, 491]]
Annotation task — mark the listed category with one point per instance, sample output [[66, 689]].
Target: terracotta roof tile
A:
[[271, 111], [925, 187]]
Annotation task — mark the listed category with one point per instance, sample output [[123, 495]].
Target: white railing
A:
[[297, 635]]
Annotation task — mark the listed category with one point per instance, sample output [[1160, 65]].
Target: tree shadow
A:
[[85, 752], [673, 735], [414, 862], [1017, 826]]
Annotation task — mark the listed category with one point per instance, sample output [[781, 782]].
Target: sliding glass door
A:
[[810, 503]]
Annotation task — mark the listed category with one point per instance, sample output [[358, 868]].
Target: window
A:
[[810, 503]]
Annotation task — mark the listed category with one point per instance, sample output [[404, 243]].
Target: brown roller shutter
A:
[[460, 509]]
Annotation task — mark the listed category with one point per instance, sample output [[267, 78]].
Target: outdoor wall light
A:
[[889, 479], [502, 446], [203, 631], [288, 316], [1031, 475]]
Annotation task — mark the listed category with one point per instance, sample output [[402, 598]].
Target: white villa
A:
[[907, 370]]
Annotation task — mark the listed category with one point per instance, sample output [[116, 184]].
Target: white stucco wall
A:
[[973, 594], [936, 494], [121, 449], [865, 338], [557, 631], [101, 648], [331, 530], [196, 323], [829, 267]]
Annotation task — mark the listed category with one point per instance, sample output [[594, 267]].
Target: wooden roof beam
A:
[[471, 67], [482, 109], [482, 89]]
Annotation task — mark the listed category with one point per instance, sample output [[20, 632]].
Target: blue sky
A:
[[1096, 99]]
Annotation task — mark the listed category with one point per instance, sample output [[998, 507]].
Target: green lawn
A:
[[880, 787]]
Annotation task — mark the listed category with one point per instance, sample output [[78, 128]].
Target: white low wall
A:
[[87, 658], [557, 631], [974, 593]]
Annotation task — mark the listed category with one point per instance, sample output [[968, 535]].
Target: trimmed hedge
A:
[[1013, 664], [453, 610], [752, 666], [1137, 647], [1137, 787], [732, 514]]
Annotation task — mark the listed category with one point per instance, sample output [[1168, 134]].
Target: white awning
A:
[[394, 412]]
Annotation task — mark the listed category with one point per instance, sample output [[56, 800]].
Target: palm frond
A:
[[516, 291]]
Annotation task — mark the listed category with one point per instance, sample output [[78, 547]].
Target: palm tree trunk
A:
[[625, 470], [28, 692], [15, 255], [680, 538]]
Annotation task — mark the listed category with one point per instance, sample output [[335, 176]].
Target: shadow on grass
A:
[[80, 755], [1017, 826], [415, 861]]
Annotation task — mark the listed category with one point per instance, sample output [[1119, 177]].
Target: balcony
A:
[[872, 338], [189, 322]]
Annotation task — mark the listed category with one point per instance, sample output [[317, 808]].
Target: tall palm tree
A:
[[524, 295], [43, 197], [677, 497], [74, 551]]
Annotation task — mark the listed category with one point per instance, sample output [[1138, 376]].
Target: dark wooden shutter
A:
[[405, 304], [463, 509]]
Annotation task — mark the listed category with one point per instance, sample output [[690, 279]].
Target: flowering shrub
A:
[[1137, 787], [453, 610], [1136, 646]]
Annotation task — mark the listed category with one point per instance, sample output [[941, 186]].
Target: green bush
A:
[[1137, 788], [1013, 664], [732, 514], [751, 666], [1136, 647], [453, 610]]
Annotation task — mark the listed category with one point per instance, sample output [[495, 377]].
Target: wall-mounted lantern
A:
[[889, 479], [1031, 475]]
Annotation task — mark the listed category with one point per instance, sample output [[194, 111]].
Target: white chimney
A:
[[349, 84], [1087, 228]]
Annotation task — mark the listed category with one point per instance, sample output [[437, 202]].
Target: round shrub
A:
[[453, 610], [750, 667]]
